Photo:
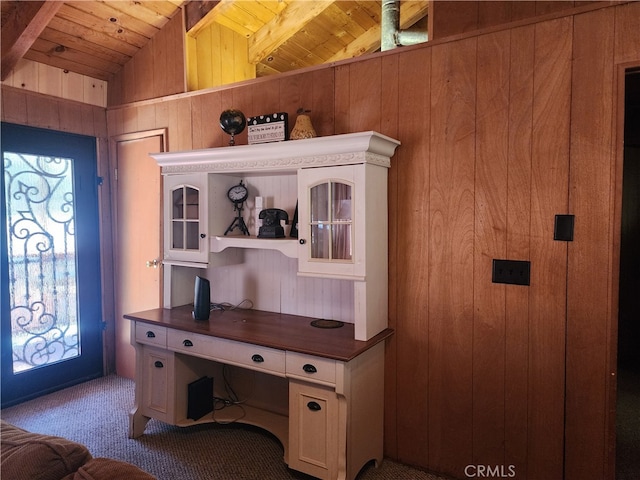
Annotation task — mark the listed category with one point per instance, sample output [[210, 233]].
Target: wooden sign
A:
[[273, 127]]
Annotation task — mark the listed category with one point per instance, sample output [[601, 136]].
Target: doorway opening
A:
[[628, 402], [138, 244]]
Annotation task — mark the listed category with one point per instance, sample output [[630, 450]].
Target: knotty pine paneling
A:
[[498, 135], [588, 296]]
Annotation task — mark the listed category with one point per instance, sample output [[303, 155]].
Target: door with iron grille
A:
[[51, 295]]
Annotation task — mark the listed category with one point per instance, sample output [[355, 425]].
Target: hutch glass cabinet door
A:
[[328, 225], [185, 219], [331, 221]]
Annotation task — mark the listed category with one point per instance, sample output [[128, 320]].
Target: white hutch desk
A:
[[318, 390]]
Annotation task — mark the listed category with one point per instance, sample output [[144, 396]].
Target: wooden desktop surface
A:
[[275, 330]]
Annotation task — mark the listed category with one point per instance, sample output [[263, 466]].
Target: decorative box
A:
[[273, 127]]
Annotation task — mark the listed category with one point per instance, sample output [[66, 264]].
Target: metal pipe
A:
[[390, 24], [411, 37], [391, 36]]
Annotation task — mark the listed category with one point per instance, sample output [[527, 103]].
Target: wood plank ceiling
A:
[[96, 38]]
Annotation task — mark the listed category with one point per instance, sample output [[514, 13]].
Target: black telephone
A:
[[271, 227]]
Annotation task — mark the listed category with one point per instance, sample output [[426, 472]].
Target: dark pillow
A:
[[33, 456], [106, 468]]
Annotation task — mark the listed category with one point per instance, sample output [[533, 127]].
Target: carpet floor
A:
[[95, 414], [628, 425]]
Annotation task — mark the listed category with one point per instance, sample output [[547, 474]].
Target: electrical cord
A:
[[226, 404], [229, 306], [232, 400]]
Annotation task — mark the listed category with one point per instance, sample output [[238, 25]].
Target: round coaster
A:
[[326, 323]]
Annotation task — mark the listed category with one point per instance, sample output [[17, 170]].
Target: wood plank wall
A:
[[157, 70], [24, 107], [217, 56], [41, 78], [452, 17], [500, 132]]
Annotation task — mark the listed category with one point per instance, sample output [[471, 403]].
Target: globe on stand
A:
[[232, 122]]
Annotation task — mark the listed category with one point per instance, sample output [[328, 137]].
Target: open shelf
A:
[[286, 246]]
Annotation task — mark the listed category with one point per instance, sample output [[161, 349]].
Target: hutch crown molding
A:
[[350, 148]]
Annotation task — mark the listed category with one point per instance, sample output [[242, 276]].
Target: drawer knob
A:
[[314, 406], [187, 343], [158, 364], [257, 358], [302, 241], [150, 334], [307, 367]]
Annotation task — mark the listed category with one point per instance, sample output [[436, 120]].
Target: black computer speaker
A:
[[201, 299]]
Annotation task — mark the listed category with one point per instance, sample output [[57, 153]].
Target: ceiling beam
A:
[[210, 17], [196, 11], [411, 11], [282, 27], [22, 27]]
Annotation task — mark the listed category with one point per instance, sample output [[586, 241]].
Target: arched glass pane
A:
[[177, 203], [320, 203], [192, 202], [341, 202]]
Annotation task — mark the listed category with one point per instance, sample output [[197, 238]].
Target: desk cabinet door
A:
[[313, 429], [157, 384]]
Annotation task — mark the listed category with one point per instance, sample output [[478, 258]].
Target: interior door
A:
[[51, 290], [138, 236]]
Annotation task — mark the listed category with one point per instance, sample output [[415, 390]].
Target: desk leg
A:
[[137, 423]]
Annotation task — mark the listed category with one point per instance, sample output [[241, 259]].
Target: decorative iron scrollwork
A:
[[42, 259]]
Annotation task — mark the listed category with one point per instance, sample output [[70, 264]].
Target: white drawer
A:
[[266, 359], [151, 334], [318, 369], [270, 360], [192, 343]]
